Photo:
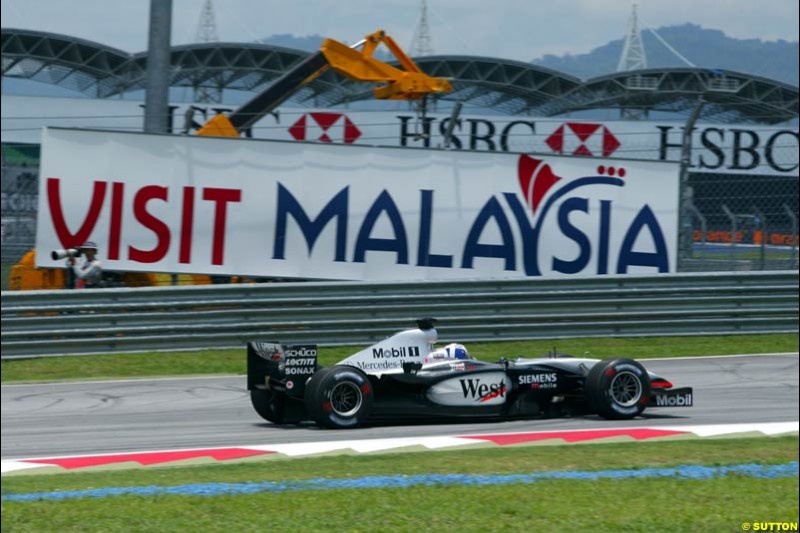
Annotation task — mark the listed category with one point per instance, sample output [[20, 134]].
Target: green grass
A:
[[603, 505], [663, 505], [487, 460], [752, 254], [233, 361]]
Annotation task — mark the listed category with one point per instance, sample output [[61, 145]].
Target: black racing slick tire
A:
[[339, 397], [269, 405], [618, 389]]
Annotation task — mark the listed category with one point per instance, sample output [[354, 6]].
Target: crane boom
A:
[[408, 83]]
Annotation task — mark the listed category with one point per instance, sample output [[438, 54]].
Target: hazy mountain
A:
[[706, 48]]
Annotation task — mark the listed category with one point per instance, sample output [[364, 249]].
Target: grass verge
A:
[[605, 505], [232, 361]]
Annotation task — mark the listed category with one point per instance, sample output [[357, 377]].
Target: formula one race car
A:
[[403, 377]]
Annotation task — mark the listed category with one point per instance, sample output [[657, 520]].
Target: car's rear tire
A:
[[269, 405], [339, 397], [618, 389]]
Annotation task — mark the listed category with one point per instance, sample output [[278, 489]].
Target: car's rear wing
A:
[[280, 367]]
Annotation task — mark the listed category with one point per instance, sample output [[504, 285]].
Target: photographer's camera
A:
[[63, 254]]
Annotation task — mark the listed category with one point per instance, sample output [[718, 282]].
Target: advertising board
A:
[[184, 204]]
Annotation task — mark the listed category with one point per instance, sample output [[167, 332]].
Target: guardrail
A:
[[47, 323]]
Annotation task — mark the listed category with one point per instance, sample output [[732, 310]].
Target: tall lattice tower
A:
[[633, 56], [422, 43], [207, 33]]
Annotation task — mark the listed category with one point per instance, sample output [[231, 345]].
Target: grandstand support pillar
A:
[[685, 197], [156, 104]]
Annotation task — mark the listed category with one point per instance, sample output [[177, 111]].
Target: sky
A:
[[511, 29]]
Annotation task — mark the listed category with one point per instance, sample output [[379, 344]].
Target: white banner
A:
[[292, 209]]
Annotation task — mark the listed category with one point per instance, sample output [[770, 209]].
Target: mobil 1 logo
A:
[[395, 352]]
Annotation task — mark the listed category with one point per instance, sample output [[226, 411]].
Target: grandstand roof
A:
[[729, 96], [503, 85]]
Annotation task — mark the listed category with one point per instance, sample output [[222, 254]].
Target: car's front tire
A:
[[618, 389], [339, 397]]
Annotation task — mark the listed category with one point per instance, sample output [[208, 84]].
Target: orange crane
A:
[[408, 83]]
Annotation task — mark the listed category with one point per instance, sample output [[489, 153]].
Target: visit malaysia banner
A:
[[182, 204]]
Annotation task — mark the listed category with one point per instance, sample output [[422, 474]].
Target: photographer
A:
[[89, 273]]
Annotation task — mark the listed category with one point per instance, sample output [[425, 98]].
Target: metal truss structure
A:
[[90, 68], [102, 72], [729, 96], [506, 86]]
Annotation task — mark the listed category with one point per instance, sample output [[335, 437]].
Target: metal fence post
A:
[[448, 136], [761, 224], [734, 228], [684, 231], [793, 218], [703, 229]]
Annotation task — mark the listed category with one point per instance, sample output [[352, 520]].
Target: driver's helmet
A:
[[451, 351], [457, 351]]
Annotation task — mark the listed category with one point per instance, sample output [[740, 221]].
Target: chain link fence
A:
[[741, 222], [739, 212], [20, 193]]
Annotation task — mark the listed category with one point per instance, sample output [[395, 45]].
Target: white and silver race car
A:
[[404, 377]]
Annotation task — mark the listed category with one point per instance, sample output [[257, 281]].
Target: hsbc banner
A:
[[748, 149], [311, 210], [760, 150]]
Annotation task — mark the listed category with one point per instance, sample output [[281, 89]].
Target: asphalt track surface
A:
[[46, 420]]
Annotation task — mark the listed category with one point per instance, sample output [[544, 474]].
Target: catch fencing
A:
[[739, 195], [49, 323], [744, 219]]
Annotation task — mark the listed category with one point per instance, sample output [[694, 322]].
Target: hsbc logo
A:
[[325, 127], [580, 138]]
